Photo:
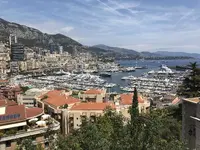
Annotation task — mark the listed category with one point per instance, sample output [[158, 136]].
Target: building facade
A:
[[17, 52], [18, 122], [57, 103], [10, 92], [191, 122], [124, 101], [93, 95], [81, 112]]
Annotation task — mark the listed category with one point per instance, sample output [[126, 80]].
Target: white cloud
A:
[[67, 29], [133, 24]]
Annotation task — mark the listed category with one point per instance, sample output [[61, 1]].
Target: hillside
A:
[[150, 54], [178, 54], [31, 37], [118, 50]]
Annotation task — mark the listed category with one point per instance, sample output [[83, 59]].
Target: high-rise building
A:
[[17, 52], [12, 39], [60, 49], [53, 48]]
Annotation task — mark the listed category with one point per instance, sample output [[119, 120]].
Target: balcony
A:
[[31, 132], [92, 114], [84, 114]]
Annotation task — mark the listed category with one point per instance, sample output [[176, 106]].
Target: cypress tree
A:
[[134, 109]]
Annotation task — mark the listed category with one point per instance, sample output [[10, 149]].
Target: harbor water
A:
[[151, 64]]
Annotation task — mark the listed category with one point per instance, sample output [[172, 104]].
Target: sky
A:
[[142, 25]]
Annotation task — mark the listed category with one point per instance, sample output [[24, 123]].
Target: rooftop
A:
[[92, 106], [176, 101], [193, 100], [127, 98], [58, 98], [34, 92], [94, 91], [4, 102], [4, 81], [10, 112]]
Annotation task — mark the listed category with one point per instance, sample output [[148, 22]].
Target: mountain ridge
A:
[[176, 54], [32, 37], [117, 49]]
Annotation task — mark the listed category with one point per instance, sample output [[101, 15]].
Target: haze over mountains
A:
[[31, 37], [147, 54], [167, 53]]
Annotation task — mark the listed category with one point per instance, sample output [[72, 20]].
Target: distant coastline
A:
[[157, 58]]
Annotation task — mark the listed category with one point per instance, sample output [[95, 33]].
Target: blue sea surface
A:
[[151, 64]]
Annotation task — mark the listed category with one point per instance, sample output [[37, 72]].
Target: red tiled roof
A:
[[93, 91], [13, 113], [57, 98], [92, 106], [126, 99], [4, 81], [4, 102], [18, 113], [33, 112], [176, 101]]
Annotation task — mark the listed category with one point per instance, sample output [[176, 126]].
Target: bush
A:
[[11, 132]]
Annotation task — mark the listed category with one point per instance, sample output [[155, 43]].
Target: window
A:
[[8, 143], [76, 118], [20, 128], [46, 144]]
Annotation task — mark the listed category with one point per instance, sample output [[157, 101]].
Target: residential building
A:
[[17, 52], [93, 95], [10, 92], [29, 98], [18, 122], [191, 122], [4, 83], [124, 101], [14, 67], [82, 111], [57, 103]]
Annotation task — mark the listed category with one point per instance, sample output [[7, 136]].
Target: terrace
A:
[[31, 127]]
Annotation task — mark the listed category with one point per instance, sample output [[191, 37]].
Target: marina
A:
[[156, 83], [156, 80]]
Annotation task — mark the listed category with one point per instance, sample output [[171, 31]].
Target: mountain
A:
[[178, 54], [118, 50], [150, 54], [31, 37]]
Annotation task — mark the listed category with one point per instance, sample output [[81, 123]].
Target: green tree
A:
[[134, 111], [157, 130], [24, 88], [26, 144], [191, 84]]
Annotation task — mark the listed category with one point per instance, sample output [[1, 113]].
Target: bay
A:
[[151, 64]]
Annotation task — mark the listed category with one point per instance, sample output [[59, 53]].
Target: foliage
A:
[[24, 89], [191, 83], [134, 111], [1, 134], [26, 144], [11, 131], [39, 147], [44, 97], [157, 130], [175, 112], [64, 106]]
